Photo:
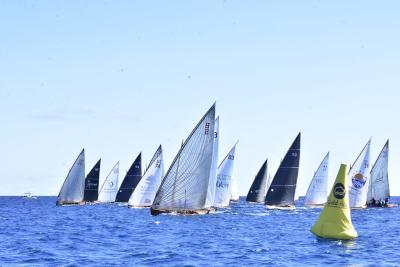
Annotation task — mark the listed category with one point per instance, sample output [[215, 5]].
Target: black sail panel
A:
[[283, 187], [130, 181], [258, 188], [92, 184]]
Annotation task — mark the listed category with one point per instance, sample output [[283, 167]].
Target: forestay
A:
[[359, 178], [73, 188], [184, 187], [143, 195], [108, 190], [317, 193], [224, 177]]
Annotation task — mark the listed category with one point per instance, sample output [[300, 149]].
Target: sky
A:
[[121, 77]]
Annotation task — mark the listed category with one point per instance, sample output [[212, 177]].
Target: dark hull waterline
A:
[[180, 212]]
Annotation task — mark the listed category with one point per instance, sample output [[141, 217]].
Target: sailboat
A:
[[234, 191], [379, 192], [213, 173], [92, 184], [108, 190], [224, 178], [359, 179], [184, 188], [317, 193], [258, 188], [145, 191], [130, 181], [72, 191], [283, 187]]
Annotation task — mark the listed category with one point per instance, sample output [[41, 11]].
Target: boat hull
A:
[[283, 207], [65, 203], [155, 212]]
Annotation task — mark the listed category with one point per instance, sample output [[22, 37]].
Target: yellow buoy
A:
[[335, 219]]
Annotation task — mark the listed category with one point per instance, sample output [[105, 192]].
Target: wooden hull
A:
[[180, 212]]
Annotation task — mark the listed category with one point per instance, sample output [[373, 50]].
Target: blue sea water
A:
[[36, 232]]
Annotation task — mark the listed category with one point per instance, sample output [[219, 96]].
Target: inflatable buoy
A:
[[335, 219]]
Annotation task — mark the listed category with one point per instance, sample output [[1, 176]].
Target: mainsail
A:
[[213, 173], [379, 181], [108, 190], [92, 184], [73, 188], [130, 181], [258, 188], [143, 195], [224, 177], [283, 187], [184, 187], [234, 191], [317, 193], [359, 178]]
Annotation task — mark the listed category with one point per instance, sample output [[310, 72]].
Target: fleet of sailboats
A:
[[194, 184]]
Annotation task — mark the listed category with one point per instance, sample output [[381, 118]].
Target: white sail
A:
[[317, 193], [184, 187], [224, 177], [74, 185], [213, 173], [234, 190], [359, 178], [146, 190], [109, 189], [379, 181]]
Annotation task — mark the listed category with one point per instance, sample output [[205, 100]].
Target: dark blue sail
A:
[[283, 187], [92, 184], [259, 186], [130, 181]]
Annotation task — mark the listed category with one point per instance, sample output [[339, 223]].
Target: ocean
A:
[[36, 232]]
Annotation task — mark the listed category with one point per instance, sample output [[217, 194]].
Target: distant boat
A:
[[184, 188], [359, 178], [92, 184], [379, 192], [72, 191], [258, 188], [130, 181], [213, 173], [109, 189], [283, 187], [29, 195], [224, 178], [145, 191], [317, 193]]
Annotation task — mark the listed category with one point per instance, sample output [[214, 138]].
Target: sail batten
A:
[[130, 181], [258, 189], [108, 190], [72, 190], [224, 178], [184, 187], [359, 178], [92, 184], [379, 191], [282, 190], [317, 193]]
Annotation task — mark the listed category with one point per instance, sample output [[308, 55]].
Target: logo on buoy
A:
[[358, 181], [339, 192]]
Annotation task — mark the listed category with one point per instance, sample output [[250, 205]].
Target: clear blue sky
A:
[[120, 77]]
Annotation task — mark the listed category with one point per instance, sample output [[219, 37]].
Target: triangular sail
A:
[[184, 187], [224, 177], [130, 181], [258, 188], [92, 184], [73, 188], [234, 191], [359, 178], [108, 190], [317, 193], [379, 181], [213, 176], [145, 192], [283, 187]]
